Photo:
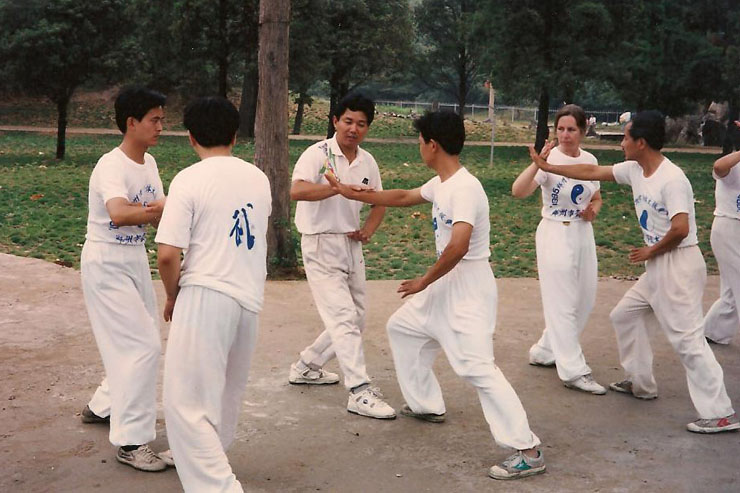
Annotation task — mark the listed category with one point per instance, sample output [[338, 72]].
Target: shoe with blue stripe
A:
[[518, 466]]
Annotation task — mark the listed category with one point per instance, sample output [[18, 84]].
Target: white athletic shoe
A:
[[586, 383], [141, 458], [536, 358], [167, 458], [370, 403], [311, 377]]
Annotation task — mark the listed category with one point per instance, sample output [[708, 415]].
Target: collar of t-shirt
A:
[[337, 151]]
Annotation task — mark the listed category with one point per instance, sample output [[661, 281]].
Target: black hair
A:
[[649, 125], [444, 127], [356, 102], [576, 112], [136, 101], [212, 121]]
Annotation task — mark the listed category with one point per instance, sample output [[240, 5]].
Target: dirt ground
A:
[[302, 439]]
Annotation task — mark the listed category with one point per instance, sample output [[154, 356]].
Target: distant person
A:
[[217, 214], [566, 252], [125, 195], [331, 245], [455, 302], [673, 283], [721, 323]]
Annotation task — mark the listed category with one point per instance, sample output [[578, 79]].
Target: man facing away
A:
[[217, 213], [331, 246], [455, 308], [674, 278], [125, 194]]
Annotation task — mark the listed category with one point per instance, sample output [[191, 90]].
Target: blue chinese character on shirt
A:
[[237, 230]]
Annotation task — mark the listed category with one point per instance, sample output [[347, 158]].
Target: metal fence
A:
[[480, 112]]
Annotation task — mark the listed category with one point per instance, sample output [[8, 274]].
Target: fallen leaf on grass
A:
[[37, 196], [416, 214]]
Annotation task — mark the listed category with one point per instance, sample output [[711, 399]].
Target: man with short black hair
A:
[[673, 283], [217, 213], [455, 308], [125, 194], [331, 245]]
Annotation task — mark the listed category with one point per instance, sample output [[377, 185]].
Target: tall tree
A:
[[250, 73], [51, 47], [365, 39], [271, 139], [542, 49], [446, 57]]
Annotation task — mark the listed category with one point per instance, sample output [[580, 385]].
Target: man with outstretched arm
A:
[[674, 278], [455, 308]]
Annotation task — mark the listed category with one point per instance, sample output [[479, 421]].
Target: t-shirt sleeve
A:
[[427, 189], [731, 179], [465, 205], [177, 219], [621, 172], [676, 194], [308, 165], [540, 177], [110, 181]]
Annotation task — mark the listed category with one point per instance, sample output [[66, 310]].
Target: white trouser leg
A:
[[335, 271], [635, 353], [458, 311], [120, 302], [209, 351], [100, 402], [722, 322], [679, 277], [566, 262]]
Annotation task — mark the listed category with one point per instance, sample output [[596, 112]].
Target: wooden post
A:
[[271, 127]]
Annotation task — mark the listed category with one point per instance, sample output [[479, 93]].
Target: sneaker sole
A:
[[620, 390], [430, 418], [573, 387], [95, 421], [371, 416], [542, 365], [310, 382], [131, 464], [529, 472], [708, 431]]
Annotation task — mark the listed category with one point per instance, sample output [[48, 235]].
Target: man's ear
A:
[[192, 140]]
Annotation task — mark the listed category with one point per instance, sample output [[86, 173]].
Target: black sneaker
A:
[[432, 418], [90, 417]]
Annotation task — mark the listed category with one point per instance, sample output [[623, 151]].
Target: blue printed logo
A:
[[237, 232], [434, 224], [576, 195], [644, 220]]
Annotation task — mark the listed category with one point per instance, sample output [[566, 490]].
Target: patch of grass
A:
[[43, 204]]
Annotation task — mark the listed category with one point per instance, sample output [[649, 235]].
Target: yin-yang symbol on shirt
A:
[[576, 195]]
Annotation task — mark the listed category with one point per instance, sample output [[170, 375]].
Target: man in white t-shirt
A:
[[722, 322], [674, 278], [331, 246], [125, 195], [217, 214], [455, 308]]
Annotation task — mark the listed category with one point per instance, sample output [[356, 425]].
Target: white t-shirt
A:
[[116, 175], [334, 214], [658, 198], [217, 211], [727, 194], [564, 199], [460, 198]]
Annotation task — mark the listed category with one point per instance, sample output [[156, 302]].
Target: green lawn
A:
[[43, 204]]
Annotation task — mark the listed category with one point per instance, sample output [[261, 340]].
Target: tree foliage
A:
[[51, 47]]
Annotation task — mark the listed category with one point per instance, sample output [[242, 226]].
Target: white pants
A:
[[335, 270], [209, 351], [122, 307], [457, 313], [722, 322], [566, 263], [672, 288]]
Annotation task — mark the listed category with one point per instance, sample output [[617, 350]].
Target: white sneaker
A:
[[141, 458], [311, 377], [370, 403], [586, 383], [539, 357], [167, 458]]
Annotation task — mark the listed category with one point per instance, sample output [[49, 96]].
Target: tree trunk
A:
[[248, 105], [62, 105], [223, 55], [462, 81], [299, 113], [338, 91], [271, 137], [543, 131], [731, 141]]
